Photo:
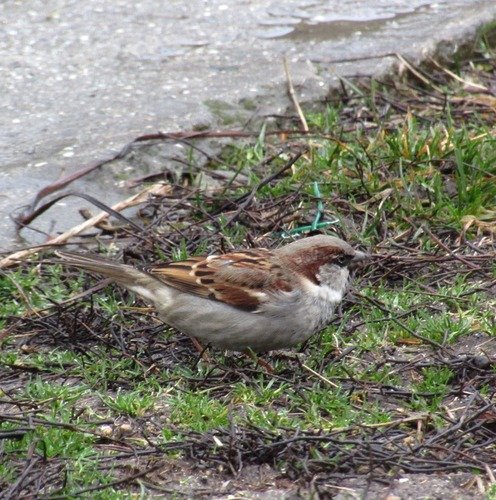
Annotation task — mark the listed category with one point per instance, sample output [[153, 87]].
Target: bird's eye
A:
[[343, 260]]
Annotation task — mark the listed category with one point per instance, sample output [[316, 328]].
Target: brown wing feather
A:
[[241, 279]]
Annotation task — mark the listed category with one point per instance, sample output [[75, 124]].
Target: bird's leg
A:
[[202, 351], [259, 361]]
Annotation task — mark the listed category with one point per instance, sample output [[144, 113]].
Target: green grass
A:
[[417, 184], [197, 412], [491, 493], [135, 403], [24, 290]]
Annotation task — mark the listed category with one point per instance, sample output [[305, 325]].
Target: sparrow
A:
[[251, 300]]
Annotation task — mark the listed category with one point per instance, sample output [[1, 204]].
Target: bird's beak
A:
[[359, 259], [360, 256]]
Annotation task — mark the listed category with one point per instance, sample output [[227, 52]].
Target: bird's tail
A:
[[127, 276]]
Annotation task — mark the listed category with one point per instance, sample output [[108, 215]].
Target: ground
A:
[[395, 399]]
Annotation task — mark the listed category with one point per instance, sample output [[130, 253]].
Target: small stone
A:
[[106, 430], [125, 428], [481, 361]]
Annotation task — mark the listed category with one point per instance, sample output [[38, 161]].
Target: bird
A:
[[253, 300]]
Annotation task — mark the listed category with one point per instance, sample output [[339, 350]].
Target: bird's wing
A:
[[241, 279]]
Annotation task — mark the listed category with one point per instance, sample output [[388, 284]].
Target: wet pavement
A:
[[80, 79]]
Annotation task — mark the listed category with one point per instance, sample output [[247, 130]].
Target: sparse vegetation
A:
[[98, 397]]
